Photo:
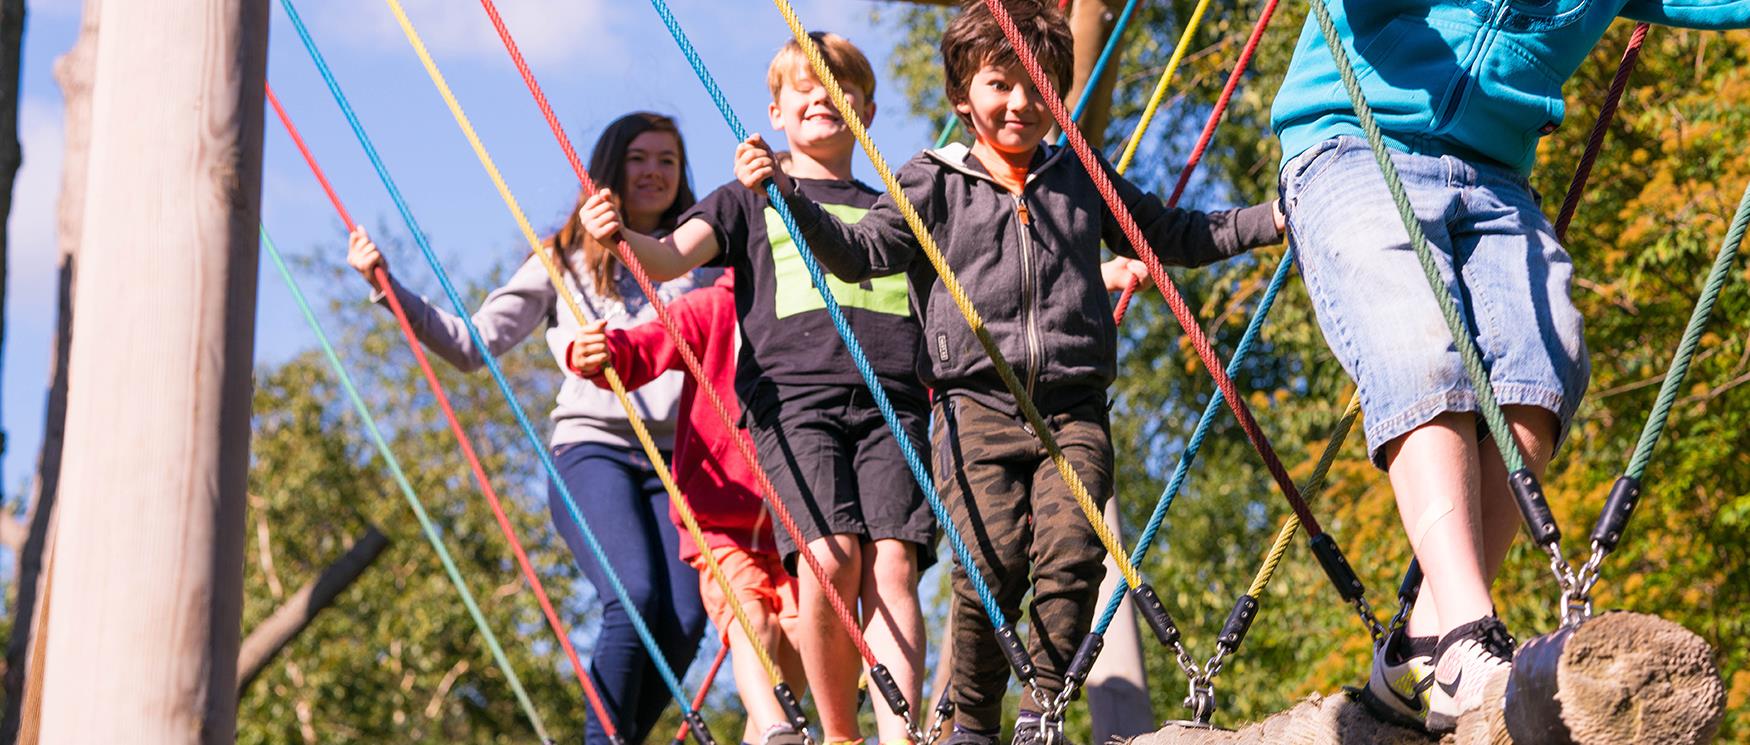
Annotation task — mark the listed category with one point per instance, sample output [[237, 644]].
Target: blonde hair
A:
[[843, 58]]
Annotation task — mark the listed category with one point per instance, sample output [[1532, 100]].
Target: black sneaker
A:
[[963, 736], [1466, 661], [1403, 674]]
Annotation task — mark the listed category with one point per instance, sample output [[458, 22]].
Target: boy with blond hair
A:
[[836, 466], [1021, 224]]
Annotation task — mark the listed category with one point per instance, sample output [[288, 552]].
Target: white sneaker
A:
[[1466, 661], [1403, 673]]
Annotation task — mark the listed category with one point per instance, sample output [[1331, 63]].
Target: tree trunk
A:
[[73, 73], [1118, 703], [1622, 677], [272, 635], [11, 154], [1091, 22], [151, 505]]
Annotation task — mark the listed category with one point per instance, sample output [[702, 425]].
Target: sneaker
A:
[[1403, 673], [1029, 731], [964, 736], [1466, 661], [782, 734]]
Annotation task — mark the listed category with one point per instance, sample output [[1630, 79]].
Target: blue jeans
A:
[[1498, 257], [619, 495]]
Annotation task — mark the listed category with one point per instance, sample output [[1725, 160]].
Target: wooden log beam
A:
[[1622, 678], [148, 548], [295, 614]]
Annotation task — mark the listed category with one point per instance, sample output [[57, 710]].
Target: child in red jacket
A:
[[719, 484]]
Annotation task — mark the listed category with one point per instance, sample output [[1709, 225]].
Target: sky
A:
[[595, 60]]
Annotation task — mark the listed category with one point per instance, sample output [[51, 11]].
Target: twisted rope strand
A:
[[462, 439], [425, 522], [1160, 93], [1595, 142]]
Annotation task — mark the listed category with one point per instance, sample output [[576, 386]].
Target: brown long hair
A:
[[607, 164]]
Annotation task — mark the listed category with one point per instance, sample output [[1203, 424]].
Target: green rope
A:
[[1716, 280], [1467, 347], [425, 522]]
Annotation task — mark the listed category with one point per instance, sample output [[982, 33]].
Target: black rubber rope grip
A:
[[1337, 567], [1155, 614]]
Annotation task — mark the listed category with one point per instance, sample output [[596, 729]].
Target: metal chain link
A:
[[1364, 609]]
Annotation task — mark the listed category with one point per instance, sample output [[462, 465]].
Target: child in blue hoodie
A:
[[1463, 91]]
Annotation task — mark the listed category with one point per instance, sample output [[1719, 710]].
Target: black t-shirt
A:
[[788, 337]]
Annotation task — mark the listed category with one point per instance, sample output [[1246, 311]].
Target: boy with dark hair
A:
[[1020, 223]]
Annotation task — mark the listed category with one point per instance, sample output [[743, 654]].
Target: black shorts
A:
[[837, 467]]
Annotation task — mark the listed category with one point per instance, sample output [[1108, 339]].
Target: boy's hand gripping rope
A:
[[1014, 651], [462, 440], [787, 698], [1145, 595], [425, 522], [1336, 566], [700, 731]]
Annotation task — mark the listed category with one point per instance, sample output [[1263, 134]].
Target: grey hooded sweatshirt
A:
[[1030, 263], [582, 412]]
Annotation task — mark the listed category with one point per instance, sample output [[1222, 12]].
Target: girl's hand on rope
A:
[[588, 354], [364, 257], [1120, 272], [601, 216], [1281, 217], [755, 162]]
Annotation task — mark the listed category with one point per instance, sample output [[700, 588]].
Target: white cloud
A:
[[548, 32], [31, 227]]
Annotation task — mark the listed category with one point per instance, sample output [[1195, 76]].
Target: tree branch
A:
[[271, 635]]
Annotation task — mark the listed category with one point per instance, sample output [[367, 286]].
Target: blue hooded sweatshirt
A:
[[1477, 79]]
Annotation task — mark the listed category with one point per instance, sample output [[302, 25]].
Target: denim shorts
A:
[[1497, 254]]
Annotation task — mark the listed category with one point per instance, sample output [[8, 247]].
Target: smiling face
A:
[[1005, 110], [804, 112], [652, 178]]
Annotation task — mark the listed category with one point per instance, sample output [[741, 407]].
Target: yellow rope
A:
[[553, 273], [855, 122], [1154, 101], [1310, 490]]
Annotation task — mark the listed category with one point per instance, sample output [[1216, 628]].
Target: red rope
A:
[[1595, 143], [680, 735], [1203, 140], [768, 491], [467, 446], [1175, 301]]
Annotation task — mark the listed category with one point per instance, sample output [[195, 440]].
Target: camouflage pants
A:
[[1016, 514]]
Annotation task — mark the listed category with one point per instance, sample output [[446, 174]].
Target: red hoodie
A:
[[708, 468]]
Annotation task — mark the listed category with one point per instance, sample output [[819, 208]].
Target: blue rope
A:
[[662, 667], [1183, 469], [1099, 68], [918, 471], [425, 522]]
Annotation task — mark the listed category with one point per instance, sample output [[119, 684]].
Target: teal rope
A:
[[1716, 280], [1099, 69], [425, 522], [1467, 347]]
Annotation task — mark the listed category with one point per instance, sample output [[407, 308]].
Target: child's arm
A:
[[644, 352], [878, 245], [1708, 14], [1190, 237], [689, 246], [507, 316]]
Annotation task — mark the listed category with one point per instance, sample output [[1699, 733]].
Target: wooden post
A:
[[73, 74], [1091, 22], [1118, 704], [142, 636]]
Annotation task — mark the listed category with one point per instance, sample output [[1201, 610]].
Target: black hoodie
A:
[[1029, 262]]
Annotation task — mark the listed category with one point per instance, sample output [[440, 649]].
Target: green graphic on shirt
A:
[[796, 293]]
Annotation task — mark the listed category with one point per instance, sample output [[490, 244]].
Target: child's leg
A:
[[749, 575], [894, 624], [898, 528], [983, 463], [1434, 472], [1535, 429], [828, 655], [1068, 558]]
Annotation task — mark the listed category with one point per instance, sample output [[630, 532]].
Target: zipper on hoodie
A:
[[1466, 83], [1029, 294]]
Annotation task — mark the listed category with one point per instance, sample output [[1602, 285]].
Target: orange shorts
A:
[[756, 577]]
